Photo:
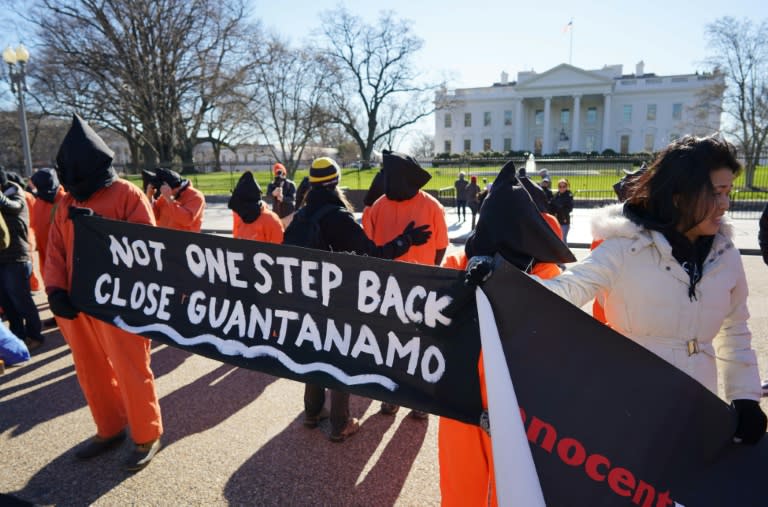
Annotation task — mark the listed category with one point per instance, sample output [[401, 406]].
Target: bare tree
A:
[[741, 53], [368, 68], [149, 69], [424, 146], [286, 107]]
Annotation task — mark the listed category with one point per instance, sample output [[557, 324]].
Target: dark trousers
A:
[[461, 208], [16, 300], [314, 399]]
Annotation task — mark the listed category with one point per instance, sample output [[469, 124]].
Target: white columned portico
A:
[[576, 123], [606, 121], [545, 145], [519, 125]]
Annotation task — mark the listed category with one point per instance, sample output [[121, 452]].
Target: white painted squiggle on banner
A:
[[236, 348]]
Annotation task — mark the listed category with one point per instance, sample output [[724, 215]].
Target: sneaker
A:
[[418, 414], [389, 408], [142, 455], [311, 421], [99, 445], [765, 388], [33, 344], [352, 427]]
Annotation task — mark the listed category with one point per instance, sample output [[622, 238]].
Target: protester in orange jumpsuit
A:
[[180, 205], [113, 366], [403, 202], [49, 195], [251, 217], [511, 225]]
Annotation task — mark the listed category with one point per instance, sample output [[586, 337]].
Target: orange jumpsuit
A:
[[40, 219], [113, 366], [387, 219], [466, 462], [34, 277], [267, 228], [183, 213]]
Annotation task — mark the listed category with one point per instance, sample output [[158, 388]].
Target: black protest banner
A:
[[609, 423], [359, 324]]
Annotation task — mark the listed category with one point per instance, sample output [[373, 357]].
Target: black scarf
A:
[[690, 255]]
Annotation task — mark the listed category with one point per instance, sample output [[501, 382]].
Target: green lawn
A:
[[596, 184]]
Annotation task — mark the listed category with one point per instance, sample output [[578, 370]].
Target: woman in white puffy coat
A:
[[670, 278]]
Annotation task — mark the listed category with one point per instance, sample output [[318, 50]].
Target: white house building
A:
[[571, 109]]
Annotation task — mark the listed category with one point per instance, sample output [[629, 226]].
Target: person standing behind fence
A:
[[561, 206], [473, 198], [461, 196], [251, 217]]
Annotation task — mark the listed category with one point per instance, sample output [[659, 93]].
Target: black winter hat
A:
[[511, 225], [246, 198], [47, 184], [404, 176], [84, 161]]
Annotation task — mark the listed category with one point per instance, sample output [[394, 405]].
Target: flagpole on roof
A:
[[570, 51]]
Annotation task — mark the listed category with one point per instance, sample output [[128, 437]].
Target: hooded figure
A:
[[246, 198], [511, 225], [181, 207], [542, 203], [375, 191], [84, 161], [405, 177], [172, 178], [47, 184]]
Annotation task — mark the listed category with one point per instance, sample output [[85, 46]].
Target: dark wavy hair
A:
[[676, 190]]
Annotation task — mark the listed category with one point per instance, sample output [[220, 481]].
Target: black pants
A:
[[16, 300], [314, 399], [461, 208]]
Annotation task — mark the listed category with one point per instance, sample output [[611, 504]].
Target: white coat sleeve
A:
[[582, 281], [733, 344]]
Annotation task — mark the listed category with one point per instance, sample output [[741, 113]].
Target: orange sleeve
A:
[[274, 229], [553, 224], [184, 213], [55, 268], [439, 228], [236, 224]]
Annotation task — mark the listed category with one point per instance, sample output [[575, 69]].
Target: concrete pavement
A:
[[233, 436]]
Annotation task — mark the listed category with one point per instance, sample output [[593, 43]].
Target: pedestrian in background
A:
[[282, 191], [460, 185], [561, 206], [473, 198]]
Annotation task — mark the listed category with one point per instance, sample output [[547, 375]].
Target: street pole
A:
[[17, 60], [24, 135]]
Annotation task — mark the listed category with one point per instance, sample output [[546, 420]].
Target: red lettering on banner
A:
[[621, 481], [594, 461], [571, 452], [649, 491], [535, 428], [664, 500]]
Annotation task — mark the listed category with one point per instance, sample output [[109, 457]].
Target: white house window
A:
[[467, 119], [487, 119], [677, 111], [565, 117], [447, 120], [651, 114], [507, 144], [446, 146], [592, 115], [590, 142], [627, 113], [648, 143], [624, 144], [539, 117], [507, 118], [486, 145], [467, 145]]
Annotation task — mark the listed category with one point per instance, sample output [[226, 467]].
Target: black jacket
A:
[[288, 204], [13, 206], [342, 233], [762, 235], [561, 206]]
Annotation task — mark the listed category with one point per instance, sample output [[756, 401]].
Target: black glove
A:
[[751, 422], [75, 211], [61, 305], [479, 270], [462, 291], [416, 235]]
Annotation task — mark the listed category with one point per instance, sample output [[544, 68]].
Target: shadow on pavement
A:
[[298, 465]]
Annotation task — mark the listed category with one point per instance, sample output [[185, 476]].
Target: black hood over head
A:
[[404, 176], [16, 178], [84, 161], [47, 184], [506, 176], [246, 198], [511, 225], [376, 190], [172, 178], [536, 193]]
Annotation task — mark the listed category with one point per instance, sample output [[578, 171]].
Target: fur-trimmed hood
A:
[[609, 222]]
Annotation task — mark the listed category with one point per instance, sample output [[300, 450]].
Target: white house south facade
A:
[[568, 109]]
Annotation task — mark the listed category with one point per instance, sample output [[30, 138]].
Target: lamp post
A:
[[17, 60]]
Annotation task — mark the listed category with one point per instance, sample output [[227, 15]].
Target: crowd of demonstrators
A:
[[561, 205], [251, 217], [282, 191], [338, 231], [670, 278], [176, 203], [404, 201], [460, 186], [112, 365], [16, 266], [511, 225]]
